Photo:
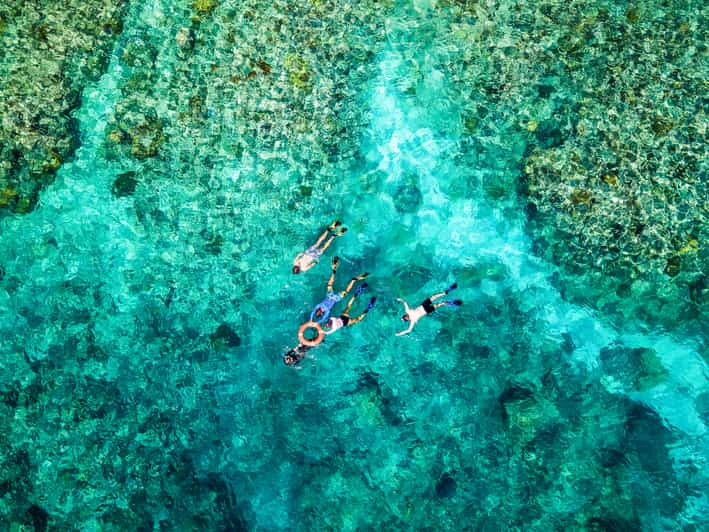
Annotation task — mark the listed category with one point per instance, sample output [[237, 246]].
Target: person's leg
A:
[[321, 238], [349, 305], [327, 243], [437, 296], [352, 283], [361, 316], [330, 231], [331, 281], [451, 303], [359, 290], [445, 292]]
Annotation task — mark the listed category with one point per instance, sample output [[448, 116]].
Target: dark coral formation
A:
[[246, 83], [622, 196], [50, 51], [610, 104]]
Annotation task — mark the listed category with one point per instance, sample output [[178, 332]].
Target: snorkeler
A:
[[321, 312], [309, 258], [427, 307], [298, 353], [295, 355], [344, 320]]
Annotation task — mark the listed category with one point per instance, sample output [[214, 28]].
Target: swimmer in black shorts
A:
[[344, 320], [427, 307]]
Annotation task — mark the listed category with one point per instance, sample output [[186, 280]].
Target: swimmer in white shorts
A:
[[309, 258]]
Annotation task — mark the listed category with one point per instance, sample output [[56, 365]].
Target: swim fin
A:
[[361, 288]]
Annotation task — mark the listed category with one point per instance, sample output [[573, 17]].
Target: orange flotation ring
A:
[[311, 325]]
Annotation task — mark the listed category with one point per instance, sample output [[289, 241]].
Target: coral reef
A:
[[142, 325], [277, 80], [50, 52], [609, 102]]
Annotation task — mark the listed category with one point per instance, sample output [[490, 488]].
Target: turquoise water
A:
[[142, 335]]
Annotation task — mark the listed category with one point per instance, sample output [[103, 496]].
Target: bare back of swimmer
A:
[[309, 258], [425, 308]]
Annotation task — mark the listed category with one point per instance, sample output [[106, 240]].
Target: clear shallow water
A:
[[519, 409]]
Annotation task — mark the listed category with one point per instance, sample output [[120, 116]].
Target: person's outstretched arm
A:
[[411, 323], [407, 331], [406, 305]]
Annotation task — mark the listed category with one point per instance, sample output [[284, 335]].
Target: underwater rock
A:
[[610, 179], [204, 6], [298, 70], [513, 394], [613, 175], [661, 126], [647, 436], [146, 139], [632, 14], [407, 196], [224, 337], [581, 197], [214, 246], [672, 268], [184, 38], [124, 185], [470, 123], [650, 369], [23, 205], [699, 289], [377, 402], [39, 518], [612, 524], [446, 486], [548, 134], [7, 197], [702, 406], [139, 52], [231, 516], [635, 368], [545, 90], [53, 52], [264, 67], [692, 246], [10, 397]]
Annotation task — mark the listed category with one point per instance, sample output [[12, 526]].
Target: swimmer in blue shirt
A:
[[322, 310], [344, 320]]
